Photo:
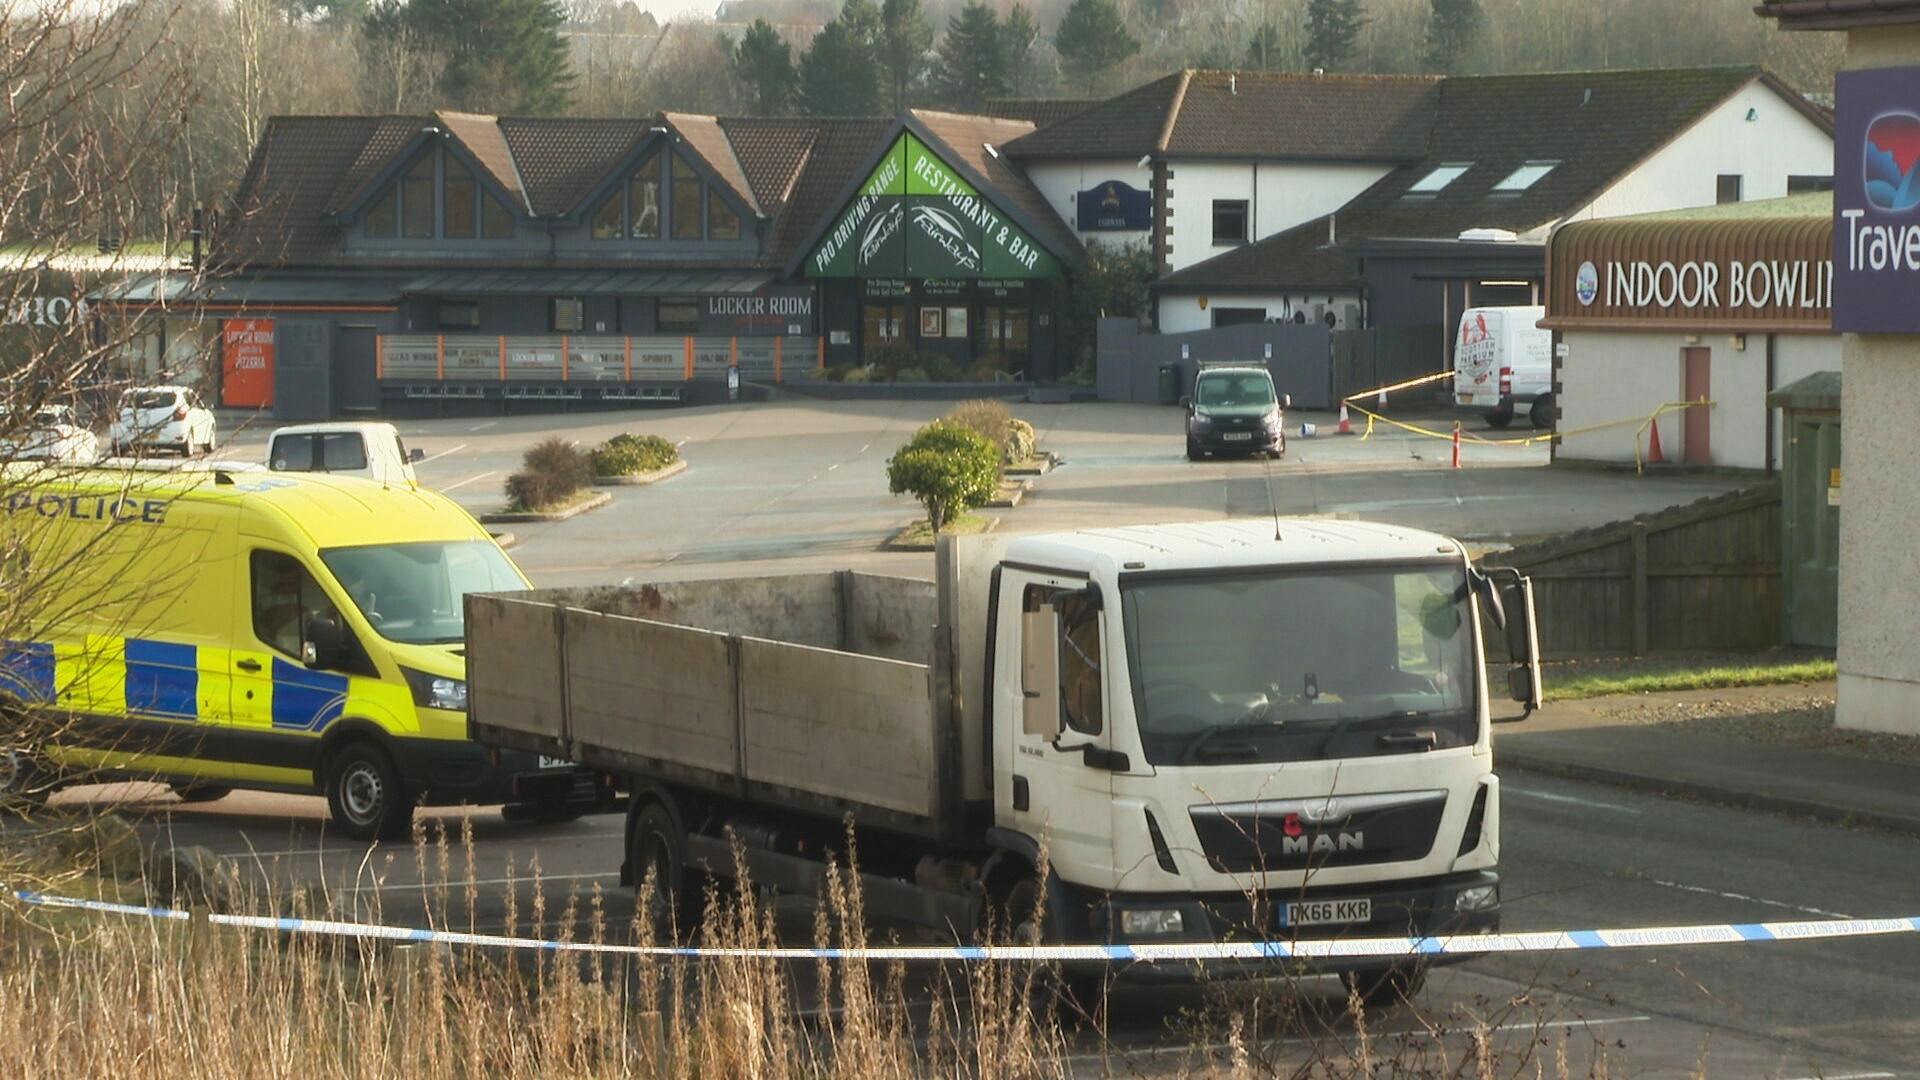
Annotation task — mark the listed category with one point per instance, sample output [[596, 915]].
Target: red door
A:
[[1695, 434], [246, 373]]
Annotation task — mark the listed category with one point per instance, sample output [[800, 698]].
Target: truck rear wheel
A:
[[660, 852], [366, 795]]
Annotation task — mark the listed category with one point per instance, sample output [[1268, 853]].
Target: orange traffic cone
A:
[[1346, 425], [1654, 456], [1456, 444]]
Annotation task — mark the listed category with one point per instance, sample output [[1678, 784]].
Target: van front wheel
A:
[[365, 794]]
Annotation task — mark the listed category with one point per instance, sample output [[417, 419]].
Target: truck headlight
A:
[[1145, 922], [1477, 898], [1200, 422], [437, 691]]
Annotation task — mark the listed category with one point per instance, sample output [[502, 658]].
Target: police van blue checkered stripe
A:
[[1644, 937]]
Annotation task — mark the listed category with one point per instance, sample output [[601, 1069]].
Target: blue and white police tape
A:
[[1337, 948]]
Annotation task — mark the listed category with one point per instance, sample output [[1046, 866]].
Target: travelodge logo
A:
[[1889, 157]]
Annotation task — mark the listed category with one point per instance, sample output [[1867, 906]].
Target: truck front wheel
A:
[[366, 795], [1081, 991], [660, 852]]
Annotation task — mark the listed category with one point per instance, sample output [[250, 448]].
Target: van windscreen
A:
[[416, 593]]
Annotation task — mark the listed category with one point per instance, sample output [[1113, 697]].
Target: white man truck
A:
[[1231, 731]]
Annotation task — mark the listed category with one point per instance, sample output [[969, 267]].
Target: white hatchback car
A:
[[53, 433], [162, 416]]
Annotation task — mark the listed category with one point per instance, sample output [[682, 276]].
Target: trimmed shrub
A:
[[910, 375], [988, 417], [858, 375], [939, 367], [887, 360], [985, 371], [1021, 441], [552, 471], [949, 468], [627, 454]]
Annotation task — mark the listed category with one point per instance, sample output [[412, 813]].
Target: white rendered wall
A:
[[1286, 194], [1177, 313], [1060, 181]]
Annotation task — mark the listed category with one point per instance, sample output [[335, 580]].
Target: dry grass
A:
[[84, 995]]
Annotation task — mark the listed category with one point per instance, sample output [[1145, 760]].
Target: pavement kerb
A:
[[641, 479], [511, 517], [1739, 798]]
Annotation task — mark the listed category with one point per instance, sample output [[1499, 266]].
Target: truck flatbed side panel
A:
[[652, 690], [965, 565], [840, 725], [802, 608], [514, 665], [886, 616]]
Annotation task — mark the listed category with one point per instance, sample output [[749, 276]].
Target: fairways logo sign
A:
[[916, 218], [1876, 201]]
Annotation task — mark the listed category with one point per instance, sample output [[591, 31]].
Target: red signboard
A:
[[247, 374]]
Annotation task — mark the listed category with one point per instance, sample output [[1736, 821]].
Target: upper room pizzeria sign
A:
[[914, 218]]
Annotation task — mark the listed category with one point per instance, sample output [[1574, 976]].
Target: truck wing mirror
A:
[[1523, 643], [1040, 672], [416, 455]]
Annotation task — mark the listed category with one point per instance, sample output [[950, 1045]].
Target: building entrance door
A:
[[1008, 332], [1810, 510], [1696, 431], [882, 324]]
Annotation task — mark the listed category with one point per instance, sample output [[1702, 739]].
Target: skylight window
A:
[[1435, 181], [1524, 177]]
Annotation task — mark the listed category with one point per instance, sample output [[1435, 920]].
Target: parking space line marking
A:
[[1569, 799], [443, 453], [1743, 897], [463, 483], [483, 427]]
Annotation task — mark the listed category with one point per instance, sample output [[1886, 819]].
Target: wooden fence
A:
[[1698, 578]]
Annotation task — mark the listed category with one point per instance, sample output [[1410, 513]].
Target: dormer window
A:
[[464, 210], [694, 210]]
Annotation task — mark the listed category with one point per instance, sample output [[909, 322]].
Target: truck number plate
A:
[[1238, 436], [554, 763], [1326, 912]]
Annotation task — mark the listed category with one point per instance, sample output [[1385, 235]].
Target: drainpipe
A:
[[1769, 391]]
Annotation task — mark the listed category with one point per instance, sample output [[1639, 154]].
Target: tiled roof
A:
[[1266, 114], [285, 197], [704, 136], [771, 152], [481, 137], [1597, 126], [562, 159], [840, 149], [1040, 112]]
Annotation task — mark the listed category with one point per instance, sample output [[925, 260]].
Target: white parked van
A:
[[370, 450], [1503, 363]]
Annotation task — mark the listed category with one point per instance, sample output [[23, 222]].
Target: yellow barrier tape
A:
[[1528, 440], [1378, 390]]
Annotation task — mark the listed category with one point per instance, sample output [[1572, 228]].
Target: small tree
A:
[[950, 469], [976, 58], [902, 47], [837, 72]]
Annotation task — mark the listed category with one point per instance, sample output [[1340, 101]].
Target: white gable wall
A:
[[1060, 181], [1780, 142], [1279, 196]]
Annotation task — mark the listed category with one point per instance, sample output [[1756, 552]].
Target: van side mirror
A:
[[322, 647], [1186, 403], [416, 455], [1040, 672], [1286, 401]]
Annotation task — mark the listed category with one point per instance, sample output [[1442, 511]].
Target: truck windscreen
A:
[[416, 593], [1301, 666]]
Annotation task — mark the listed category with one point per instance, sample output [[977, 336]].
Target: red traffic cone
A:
[[1346, 425], [1456, 444], [1654, 456]]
